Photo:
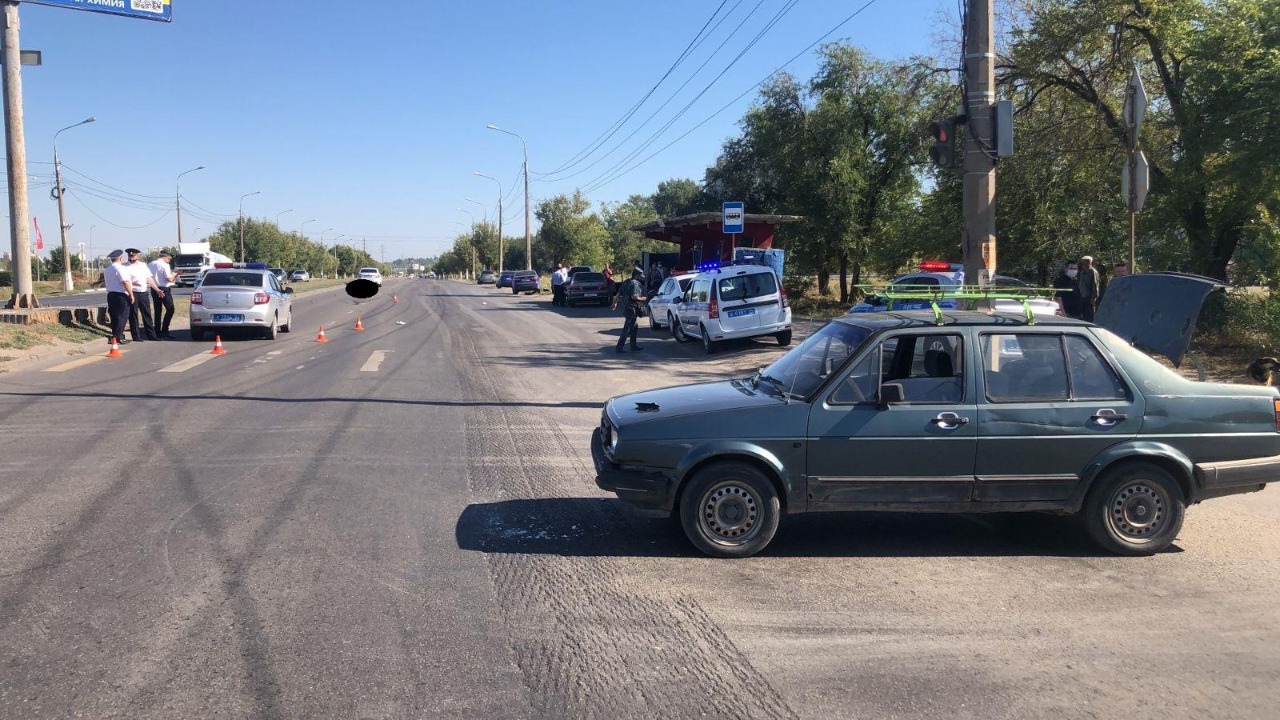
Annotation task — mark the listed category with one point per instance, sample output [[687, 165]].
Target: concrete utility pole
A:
[[16, 150], [528, 237], [979, 239], [177, 194], [242, 197], [501, 248], [68, 285]]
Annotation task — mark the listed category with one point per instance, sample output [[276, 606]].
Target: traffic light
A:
[[943, 152]]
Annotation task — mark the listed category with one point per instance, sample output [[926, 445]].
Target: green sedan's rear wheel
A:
[[730, 509], [1134, 509]]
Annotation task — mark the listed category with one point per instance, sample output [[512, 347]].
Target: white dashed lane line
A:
[[374, 361]]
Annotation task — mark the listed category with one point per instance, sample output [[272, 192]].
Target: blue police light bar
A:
[[256, 266]]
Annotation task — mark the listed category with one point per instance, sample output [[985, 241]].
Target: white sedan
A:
[[370, 273], [672, 287]]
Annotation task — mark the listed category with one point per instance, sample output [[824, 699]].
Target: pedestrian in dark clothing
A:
[[1068, 290], [631, 293], [162, 299]]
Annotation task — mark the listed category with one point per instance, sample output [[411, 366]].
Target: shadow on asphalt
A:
[[594, 527]]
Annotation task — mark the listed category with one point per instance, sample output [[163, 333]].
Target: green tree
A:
[[53, 266], [1213, 75], [626, 246], [570, 234], [678, 197]]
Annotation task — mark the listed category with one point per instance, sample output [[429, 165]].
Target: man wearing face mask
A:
[[1068, 290]]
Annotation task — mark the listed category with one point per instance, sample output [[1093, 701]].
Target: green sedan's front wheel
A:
[[730, 509], [1135, 509]]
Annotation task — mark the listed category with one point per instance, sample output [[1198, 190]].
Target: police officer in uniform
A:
[[162, 298], [119, 295], [630, 292], [140, 277]]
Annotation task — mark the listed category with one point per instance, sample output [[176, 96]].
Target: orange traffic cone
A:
[[217, 346], [321, 337], [114, 352], [394, 299], [359, 325]]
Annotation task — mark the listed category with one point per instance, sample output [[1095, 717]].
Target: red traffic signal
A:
[[943, 152]]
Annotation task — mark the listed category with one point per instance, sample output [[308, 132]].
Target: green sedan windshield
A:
[[800, 372]]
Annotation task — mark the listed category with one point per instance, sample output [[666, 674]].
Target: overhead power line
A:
[[597, 185], [618, 124]]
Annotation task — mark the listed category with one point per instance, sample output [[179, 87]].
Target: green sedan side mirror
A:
[[890, 393]]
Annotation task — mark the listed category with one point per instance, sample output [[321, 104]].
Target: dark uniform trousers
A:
[[141, 306], [164, 303], [630, 327], [118, 308]]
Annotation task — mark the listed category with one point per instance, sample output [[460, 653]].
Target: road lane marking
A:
[[89, 360], [185, 365], [374, 361], [268, 357]]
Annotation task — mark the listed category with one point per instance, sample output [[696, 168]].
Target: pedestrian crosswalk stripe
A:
[[374, 361], [185, 365], [91, 359]]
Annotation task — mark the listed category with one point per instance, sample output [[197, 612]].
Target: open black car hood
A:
[[1156, 312]]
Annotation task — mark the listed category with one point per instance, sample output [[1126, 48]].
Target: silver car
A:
[[241, 297], [660, 303]]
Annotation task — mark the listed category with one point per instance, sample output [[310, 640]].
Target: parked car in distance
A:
[[1017, 414], [487, 277], [504, 278], [577, 269], [660, 303], [300, 276], [430, 275], [587, 287], [525, 281], [241, 297], [730, 303], [281, 274], [371, 274]]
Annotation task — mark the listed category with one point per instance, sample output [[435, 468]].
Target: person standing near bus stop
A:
[[630, 292]]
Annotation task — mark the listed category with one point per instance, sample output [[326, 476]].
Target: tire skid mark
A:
[[587, 640]]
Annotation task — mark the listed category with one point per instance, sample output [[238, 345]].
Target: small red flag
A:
[[39, 235]]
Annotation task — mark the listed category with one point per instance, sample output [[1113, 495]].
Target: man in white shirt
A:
[[139, 276], [163, 298], [119, 294], [559, 279]]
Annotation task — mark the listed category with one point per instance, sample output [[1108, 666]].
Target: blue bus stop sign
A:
[[160, 10], [734, 217]]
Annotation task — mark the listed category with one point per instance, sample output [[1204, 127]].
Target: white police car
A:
[[942, 276], [241, 295]]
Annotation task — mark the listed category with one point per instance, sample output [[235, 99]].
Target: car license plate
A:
[[742, 312], [223, 317], [588, 295]]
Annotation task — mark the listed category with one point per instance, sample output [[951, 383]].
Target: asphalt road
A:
[[94, 298], [402, 523]]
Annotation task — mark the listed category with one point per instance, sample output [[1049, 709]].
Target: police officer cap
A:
[[115, 254], [637, 272], [133, 251]]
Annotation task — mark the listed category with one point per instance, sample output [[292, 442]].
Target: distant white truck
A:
[[194, 258]]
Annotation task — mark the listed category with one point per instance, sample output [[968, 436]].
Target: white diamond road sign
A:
[[734, 217]]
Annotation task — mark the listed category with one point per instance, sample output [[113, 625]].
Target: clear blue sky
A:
[[370, 116]]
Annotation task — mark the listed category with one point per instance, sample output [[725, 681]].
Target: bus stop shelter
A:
[[701, 237]]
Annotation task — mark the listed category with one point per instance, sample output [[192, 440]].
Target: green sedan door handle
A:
[[1108, 417], [949, 421]]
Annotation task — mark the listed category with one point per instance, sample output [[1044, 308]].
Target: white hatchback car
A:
[[370, 273], [733, 302], [660, 303]]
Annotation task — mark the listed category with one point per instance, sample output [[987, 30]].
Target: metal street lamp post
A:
[[281, 213], [67, 284], [528, 238], [242, 197], [177, 195], [501, 248]]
